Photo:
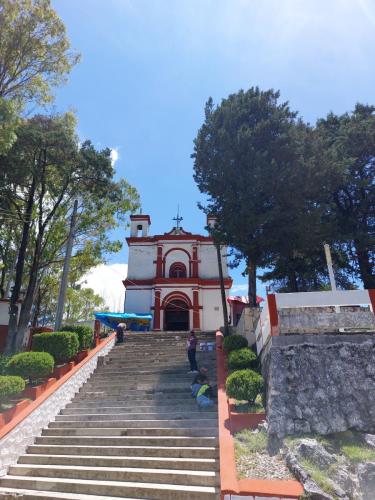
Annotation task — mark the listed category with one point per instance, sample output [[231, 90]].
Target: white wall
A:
[[208, 267], [212, 317], [141, 262], [138, 301], [176, 256]]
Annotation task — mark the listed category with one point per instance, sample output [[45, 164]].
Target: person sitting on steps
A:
[[191, 347], [197, 383], [204, 396]]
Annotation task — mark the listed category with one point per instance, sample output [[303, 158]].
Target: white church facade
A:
[[175, 276]]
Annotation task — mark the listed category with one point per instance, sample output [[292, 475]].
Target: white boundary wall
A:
[[16, 441], [308, 300]]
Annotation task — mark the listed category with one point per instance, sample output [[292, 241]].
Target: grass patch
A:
[[320, 477], [358, 453], [246, 407], [247, 441]]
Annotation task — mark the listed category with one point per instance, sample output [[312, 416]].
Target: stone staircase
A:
[[133, 431]]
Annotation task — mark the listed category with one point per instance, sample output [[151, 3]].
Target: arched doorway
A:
[[176, 316]]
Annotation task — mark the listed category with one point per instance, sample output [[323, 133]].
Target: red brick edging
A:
[[229, 483], [25, 407]]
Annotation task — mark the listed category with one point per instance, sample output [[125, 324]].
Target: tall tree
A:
[[243, 154], [348, 142], [55, 169], [35, 52], [35, 55]]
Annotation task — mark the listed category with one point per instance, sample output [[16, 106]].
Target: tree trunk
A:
[[252, 280], [13, 307], [292, 279], [222, 288], [27, 304], [365, 268], [37, 308]]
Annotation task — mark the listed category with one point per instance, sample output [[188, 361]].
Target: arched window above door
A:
[[177, 270]]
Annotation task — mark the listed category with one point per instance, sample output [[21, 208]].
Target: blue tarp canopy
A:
[[133, 321]]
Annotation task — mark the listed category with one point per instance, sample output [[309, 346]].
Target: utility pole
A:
[[332, 280], [222, 288], [65, 273]]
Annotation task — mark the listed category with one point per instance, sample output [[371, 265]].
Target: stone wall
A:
[[14, 444], [323, 320], [320, 383]]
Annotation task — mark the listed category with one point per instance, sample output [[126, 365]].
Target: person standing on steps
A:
[[191, 347], [120, 330]]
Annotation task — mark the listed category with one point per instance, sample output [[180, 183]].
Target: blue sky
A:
[[148, 67]]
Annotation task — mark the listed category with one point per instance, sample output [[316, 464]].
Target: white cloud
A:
[[114, 156], [106, 281], [242, 288]]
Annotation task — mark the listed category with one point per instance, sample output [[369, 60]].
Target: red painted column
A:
[[195, 263], [157, 310], [274, 317], [159, 262], [371, 294], [196, 318]]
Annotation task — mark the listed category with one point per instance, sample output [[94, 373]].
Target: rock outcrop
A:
[[320, 383]]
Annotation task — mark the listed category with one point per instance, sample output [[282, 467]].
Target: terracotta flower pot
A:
[[36, 391], [60, 371], [81, 356]]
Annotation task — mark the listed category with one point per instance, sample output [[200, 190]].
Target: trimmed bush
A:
[[63, 346], [234, 342], [10, 386], [244, 385], [85, 335], [241, 359], [3, 364], [31, 365]]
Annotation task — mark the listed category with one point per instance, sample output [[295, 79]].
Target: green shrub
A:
[[31, 365], [244, 385], [233, 342], [85, 335], [3, 364], [63, 346], [10, 386], [242, 358]]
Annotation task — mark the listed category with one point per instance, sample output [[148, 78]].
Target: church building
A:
[[175, 276]]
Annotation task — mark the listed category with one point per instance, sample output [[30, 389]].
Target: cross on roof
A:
[[178, 219]]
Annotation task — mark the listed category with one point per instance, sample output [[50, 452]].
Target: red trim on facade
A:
[[173, 250], [176, 296], [196, 314], [159, 262], [178, 281], [274, 317], [141, 217], [159, 238], [371, 294], [157, 310], [195, 272], [177, 270]]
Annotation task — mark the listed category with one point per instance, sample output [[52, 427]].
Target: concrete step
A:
[[112, 374], [97, 424], [9, 493], [203, 464], [129, 431], [99, 385], [125, 451], [190, 406], [172, 415], [145, 400], [141, 404], [128, 474], [174, 441], [112, 488]]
